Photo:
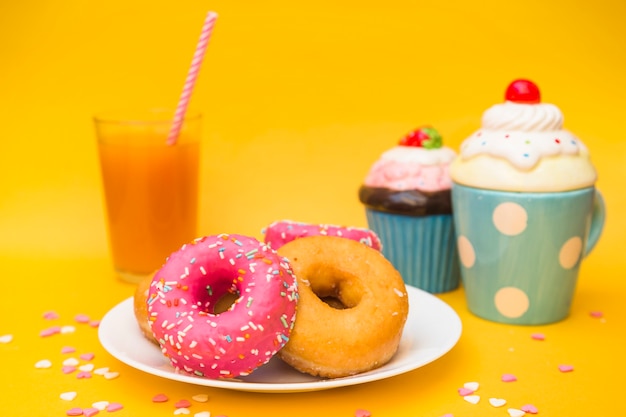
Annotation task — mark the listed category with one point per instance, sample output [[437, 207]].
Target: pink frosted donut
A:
[[183, 294], [284, 231]]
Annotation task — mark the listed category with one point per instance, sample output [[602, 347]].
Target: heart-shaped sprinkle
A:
[[86, 368], [160, 398], [203, 414], [538, 336], [88, 412], [83, 375], [465, 391], [447, 415], [50, 315], [111, 375], [87, 356], [101, 371], [181, 411], [71, 362], [566, 368], [43, 364], [81, 318], [201, 398], [472, 399], [100, 405], [115, 407], [362, 413], [68, 349], [529, 408], [50, 331], [596, 314], [6, 338], [68, 396], [497, 402], [471, 385], [76, 411], [94, 323], [182, 404], [514, 412], [67, 330], [509, 378], [66, 369]]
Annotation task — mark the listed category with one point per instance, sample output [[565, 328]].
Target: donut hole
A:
[[217, 297], [339, 289], [225, 301]]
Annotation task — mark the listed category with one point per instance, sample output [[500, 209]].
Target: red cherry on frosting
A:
[[523, 91]]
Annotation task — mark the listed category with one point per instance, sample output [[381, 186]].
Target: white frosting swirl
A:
[[523, 134]]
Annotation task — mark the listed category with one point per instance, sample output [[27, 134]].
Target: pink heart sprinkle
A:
[[182, 404], [50, 315], [50, 331], [83, 374], [160, 398], [90, 411], [87, 356], [538, 336], [566, 368], [529, 408], [447, 415], [81, 318], [596, 314], [94, 323], [76, 411], [114, 407], [66, 369], [362, 413], [509, 378], [68, 349], [465, 391]]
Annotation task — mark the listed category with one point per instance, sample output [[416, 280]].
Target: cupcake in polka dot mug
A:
[[526, 210]]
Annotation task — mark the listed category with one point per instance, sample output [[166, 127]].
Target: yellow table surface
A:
[[299, 100]]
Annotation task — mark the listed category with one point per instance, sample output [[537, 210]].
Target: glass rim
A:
[[138, 116]]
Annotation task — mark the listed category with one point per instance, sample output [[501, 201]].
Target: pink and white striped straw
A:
[[192, 75]]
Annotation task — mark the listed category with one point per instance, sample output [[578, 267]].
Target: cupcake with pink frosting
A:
[[408, 205]]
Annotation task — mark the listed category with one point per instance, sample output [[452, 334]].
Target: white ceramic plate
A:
[[431, 330]]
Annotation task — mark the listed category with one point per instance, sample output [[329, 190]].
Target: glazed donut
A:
[[284, 231], [140, 307], [361, 329], [183, 294]]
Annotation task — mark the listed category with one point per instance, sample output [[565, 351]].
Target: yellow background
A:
[[299, 99]]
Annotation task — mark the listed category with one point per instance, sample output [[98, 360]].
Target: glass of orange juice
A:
[[150, 187]]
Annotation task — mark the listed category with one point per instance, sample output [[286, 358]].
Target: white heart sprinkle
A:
[[68, 329], [203, 414], [201, 398], [6, 338], [471, 385], [100, 405], [68, 396], [101, 371], [43, 364], [181, 411], [86, 368], [71, 362], [111, 375], [514, 412], [497, 402], [472, 398]]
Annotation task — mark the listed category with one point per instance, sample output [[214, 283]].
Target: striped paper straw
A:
[[192, 75]]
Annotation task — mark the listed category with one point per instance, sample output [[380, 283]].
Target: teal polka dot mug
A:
[[520, 252]]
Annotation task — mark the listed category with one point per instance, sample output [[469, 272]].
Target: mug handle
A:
[[598, 217]]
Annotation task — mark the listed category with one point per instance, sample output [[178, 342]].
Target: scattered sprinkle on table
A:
[[6, 338], [160, 398], [538, 336], [465, 391], [362, 413], [50, 331], [43, 364], [497, 402], [529, 408], [112, 407], [514, 412], [472, 385], [76, 411], [68, 396], [509, 378], [566, 368], [67, 349], [87, 356], [182, 404], [201, 398], [81, 318], [50, 315], [472, 399], [596, 314]]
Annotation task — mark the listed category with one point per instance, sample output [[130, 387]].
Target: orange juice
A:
[[151, 193]]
